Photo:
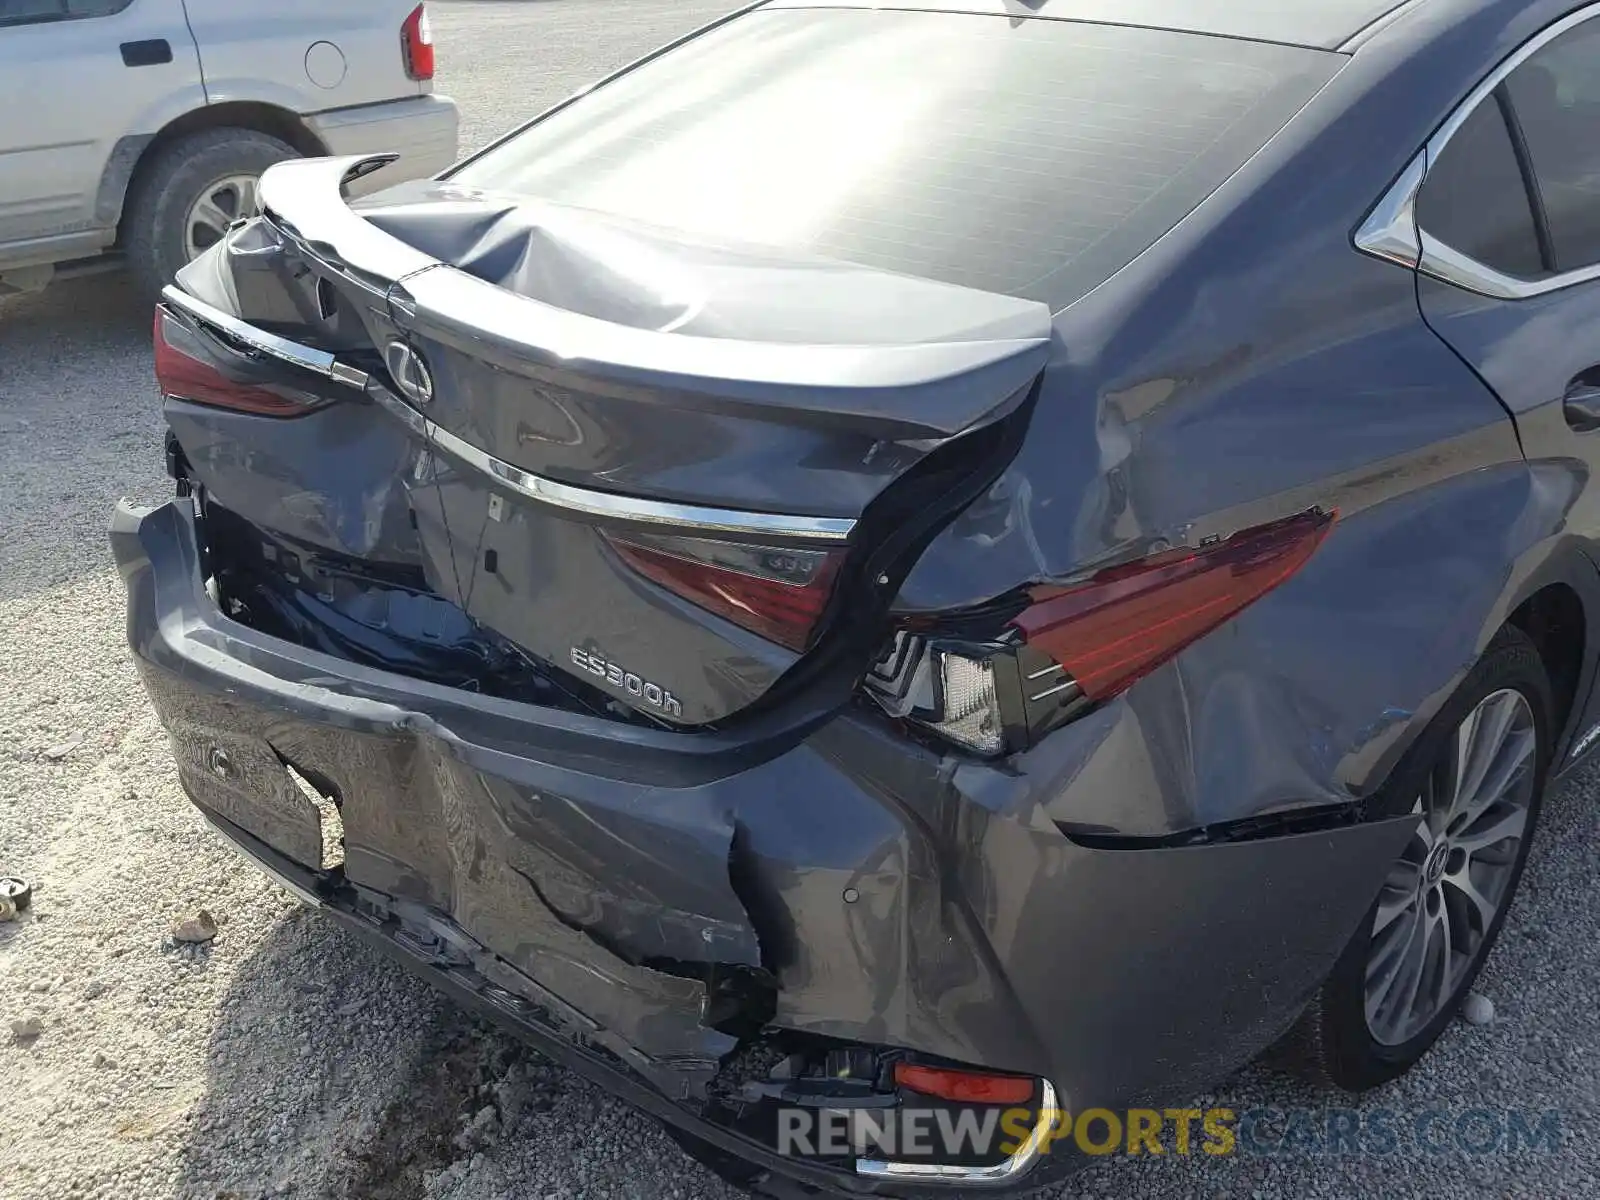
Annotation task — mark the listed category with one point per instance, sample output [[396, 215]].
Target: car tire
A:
[[1355, 1034], [156, 224]]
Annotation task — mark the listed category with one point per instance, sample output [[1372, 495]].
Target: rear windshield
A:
[[1030, 157]]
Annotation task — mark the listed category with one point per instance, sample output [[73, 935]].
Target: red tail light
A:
[[964, 1087], [775, 591], [1072, 646], [416, 43], [1126, 621], [185, 376]]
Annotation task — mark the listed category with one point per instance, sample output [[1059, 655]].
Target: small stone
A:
[[1478, 1009], [61, 749], [94, 989], [40, 986], [26, 1029], [200, 927], [100, 1060]]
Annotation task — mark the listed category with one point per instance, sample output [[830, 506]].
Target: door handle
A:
[[154, 53], [1581, 405]]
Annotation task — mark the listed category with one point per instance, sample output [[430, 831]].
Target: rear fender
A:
[[1307, 700]]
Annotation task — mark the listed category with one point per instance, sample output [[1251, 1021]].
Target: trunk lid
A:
[[577, 383]]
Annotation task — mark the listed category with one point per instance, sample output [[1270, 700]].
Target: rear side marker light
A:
[[183, 373], [416, 44], [775, 591], [1071, 647], [964, 1087]]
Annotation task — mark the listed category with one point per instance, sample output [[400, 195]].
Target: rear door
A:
[[77, 76], [1510, 216], [306, 55]]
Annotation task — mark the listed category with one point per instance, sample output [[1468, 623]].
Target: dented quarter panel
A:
[[1249, 366]]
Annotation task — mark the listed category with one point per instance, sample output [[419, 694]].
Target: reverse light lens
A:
[[971, 704], [183, 374], [416, 42], [1126, 621], [951, 689], [775, 591], [964, 1087]]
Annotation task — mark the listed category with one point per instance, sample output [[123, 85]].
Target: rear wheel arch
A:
[[1555, 621], [1557, 605], [126, 174]]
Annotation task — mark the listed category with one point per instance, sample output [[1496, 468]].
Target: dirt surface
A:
[[283, 1058]]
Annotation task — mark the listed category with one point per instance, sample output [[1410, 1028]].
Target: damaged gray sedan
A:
[[898, 562]]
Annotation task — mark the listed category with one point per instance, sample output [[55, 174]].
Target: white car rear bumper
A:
[[423, 130]]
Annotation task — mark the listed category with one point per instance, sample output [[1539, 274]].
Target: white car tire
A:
[[188, 183]]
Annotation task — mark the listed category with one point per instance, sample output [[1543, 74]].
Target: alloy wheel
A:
[[218, 206], [1442, 895]]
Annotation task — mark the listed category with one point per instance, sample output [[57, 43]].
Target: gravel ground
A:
[[285, 1059]]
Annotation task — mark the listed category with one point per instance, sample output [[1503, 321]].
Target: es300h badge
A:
[[620, 677]]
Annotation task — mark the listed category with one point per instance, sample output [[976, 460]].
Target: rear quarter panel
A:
[[256, 51], [1250, 366]]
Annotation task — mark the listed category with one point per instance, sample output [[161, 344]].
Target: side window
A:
[[1556, 99], [31, 12], [1475, 200]]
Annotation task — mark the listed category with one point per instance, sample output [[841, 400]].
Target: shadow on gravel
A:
[[333, 1075]]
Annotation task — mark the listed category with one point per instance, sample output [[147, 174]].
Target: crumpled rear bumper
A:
[[583, 879]]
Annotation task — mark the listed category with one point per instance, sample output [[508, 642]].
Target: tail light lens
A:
[[416, 44], [1070, 647], [184, 373], [775, 591], [1126, 621]]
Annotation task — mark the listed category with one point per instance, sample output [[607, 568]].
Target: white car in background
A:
[[135, 130]]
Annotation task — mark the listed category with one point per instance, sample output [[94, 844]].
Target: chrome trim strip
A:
[[1441, 262], [1011, 1169], [1390, 232], [1392, 227], [318, 362], [609, 504], [1071, 684], [583, 501]]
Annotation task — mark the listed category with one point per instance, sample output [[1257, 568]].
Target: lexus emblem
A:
[[409, 372]]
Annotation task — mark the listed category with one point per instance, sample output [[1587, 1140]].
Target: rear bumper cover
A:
[[423, 130], [894, 897]]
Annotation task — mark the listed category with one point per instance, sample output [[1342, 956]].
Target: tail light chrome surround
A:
[[1021, 1161]]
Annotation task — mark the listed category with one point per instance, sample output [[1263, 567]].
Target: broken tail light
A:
[[1069, 647], [416, 44], [185, 370], [775, 591]]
